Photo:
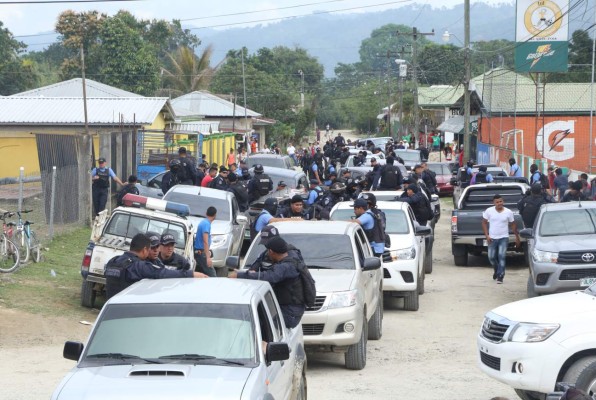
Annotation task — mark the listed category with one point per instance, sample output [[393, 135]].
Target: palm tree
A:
[[188, 72]]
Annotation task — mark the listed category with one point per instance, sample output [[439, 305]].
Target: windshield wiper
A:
[[123, 357]]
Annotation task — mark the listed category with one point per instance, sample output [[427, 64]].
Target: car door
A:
[[275, 370], [369, 278], [419, 240], [237, 229]]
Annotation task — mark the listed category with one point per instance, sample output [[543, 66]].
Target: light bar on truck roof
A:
[[134, 200]]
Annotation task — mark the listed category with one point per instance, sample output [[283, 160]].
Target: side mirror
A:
[[371, 263], [423, 230], [434, 197], [277, 351], [233, 262], [241, 219], [527, 233], [72, 350]]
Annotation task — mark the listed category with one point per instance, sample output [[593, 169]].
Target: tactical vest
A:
[[263, 181], [289, 291], [115, 274], [481, 177], [104, 178], [376, 234], [389, 177]]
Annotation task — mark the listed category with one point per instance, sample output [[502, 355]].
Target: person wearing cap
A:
[[240, 191], [100, 178], [260, 184], [265, 217], [574, 193], [372, 229], [314, 168], [133, 265], [203, 243], [530, 204], [188, 171], [220, 182], [294, 210], [331, 178], [281, 186], [283, 274], [244, 173], [419, 203], [153, 256], [168, 256], [130, 187], [315, 192]]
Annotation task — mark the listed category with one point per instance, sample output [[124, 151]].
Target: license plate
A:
[[485, 243], [584, 282]]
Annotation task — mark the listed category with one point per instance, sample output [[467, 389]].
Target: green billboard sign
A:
[[541, 56]]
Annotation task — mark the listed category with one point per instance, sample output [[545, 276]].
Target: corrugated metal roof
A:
[[439, 95], [74, 88], [204, 127], [456, 123], [69, 110], [203, 103]]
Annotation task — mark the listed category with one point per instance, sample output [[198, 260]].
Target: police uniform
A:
[[176, 261], [100, 186], [260, 185]]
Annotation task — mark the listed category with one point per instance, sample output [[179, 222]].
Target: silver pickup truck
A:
[[188, 339]]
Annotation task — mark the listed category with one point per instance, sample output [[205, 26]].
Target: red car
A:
[[443, 175]]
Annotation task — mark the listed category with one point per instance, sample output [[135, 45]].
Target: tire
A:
[[88, 294], [375, 325], [411, 302], [531, 291], [428, 263], [35, 250], [9, 256], [302, 392], [355, 357], [20, 239], [477, 253], [420, 284], [527, 395], [461, 261], [582, 374]]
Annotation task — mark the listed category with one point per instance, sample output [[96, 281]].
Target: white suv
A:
[[405, 260]]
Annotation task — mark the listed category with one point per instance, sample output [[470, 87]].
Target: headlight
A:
[[218, 240], [343, 299], [545, 256], [403, 254], [525, 332]]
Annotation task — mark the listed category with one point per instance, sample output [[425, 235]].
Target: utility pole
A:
[[301, 87], [415, 33], [85, 153], [467, 67], [247, 133], [389, 94], [403, 72]]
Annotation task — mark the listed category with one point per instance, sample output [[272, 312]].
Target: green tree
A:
[[580, 60], [16, 74], [373, 50], [440, 64], [188, 72]]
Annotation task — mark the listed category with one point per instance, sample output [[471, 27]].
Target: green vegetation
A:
[[32, 288]]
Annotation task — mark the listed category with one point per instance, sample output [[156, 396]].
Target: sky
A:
[[30, 19]]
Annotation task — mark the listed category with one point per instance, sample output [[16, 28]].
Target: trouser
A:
[[100, 198], [202, 266], [293, 157], [497, 250]]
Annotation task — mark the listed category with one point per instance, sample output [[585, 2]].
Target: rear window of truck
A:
[[482, 198], [127, 225]]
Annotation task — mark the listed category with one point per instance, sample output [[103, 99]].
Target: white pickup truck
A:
[[111, 236]]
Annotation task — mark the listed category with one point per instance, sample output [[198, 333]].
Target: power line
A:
[[62, 1]]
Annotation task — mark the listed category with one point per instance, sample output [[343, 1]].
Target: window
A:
[[265, 324], [127, 225], [360, 246], [581, 221], [155, 182], [198, 204], [274, 315]]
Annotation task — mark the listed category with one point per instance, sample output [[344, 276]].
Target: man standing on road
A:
[[292, 153], [496, 222], [101, 182], [203, 244]]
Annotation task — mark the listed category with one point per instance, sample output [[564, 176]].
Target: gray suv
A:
[[562, 248]]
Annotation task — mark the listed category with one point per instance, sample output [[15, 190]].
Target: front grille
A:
[[577, 274], [319, 301], [312, 329], [387, 257], [386, 273], [494, 331], [490, 361], [575, 257]]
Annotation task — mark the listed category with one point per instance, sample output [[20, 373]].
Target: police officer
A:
[[482, 176], [295, 209], [132, 266], [168, 256], [101, 182], [574, 193], [171, 178], [240, 191], [153, 256], [284, 276], [315, 192], [265, 217], [336, 194], [331, 178], [220, 182], [260, 185], [372, 227], [530, 204], [130, 187], [429, 178], [188, 171], [389, 175], [315, 169], [419, 203]]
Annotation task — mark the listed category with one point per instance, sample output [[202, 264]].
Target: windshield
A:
[[127, 225], [199, 204], [439, 169], [397, 222], [326, 251], [412, 156], [126, 332], [581, 221], [350, 162]]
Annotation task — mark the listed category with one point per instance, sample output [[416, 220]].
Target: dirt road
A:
[[428, 354]]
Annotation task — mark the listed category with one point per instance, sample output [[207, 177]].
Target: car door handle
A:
[[370, 274]]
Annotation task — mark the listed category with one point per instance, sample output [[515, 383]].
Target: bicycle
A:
[[9, 253], [26, 240]]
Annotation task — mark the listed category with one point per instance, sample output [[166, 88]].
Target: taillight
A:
[[86, 260], [454, 223]]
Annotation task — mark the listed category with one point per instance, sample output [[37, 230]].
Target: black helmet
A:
[[259, 169], [370, 198], [470, 163], [175, 163], [271, 205], [337, 187]]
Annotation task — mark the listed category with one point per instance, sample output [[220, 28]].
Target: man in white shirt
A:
[[292, 153], [496, 222]]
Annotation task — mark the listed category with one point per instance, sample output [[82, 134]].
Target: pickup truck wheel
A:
[[428, 263], [88, 294], [531, 291], [461, 261], [375, 325], [582, 374], [356, 355], [527, 395], [420, 284], [411, 302]]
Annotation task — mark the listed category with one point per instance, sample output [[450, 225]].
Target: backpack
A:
[[531, 206], [389, 176], [543, 180], [309, 289], [381, 224], [124, 191]]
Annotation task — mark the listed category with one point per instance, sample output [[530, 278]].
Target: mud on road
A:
[[427, 354]]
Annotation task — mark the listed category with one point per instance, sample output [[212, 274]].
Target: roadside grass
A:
[[32, 287]]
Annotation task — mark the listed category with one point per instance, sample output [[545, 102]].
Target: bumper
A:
[[445, 189], [520, 365], [553, 278], [400, 275], [478, 241], [332, 322], [96, 279]]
